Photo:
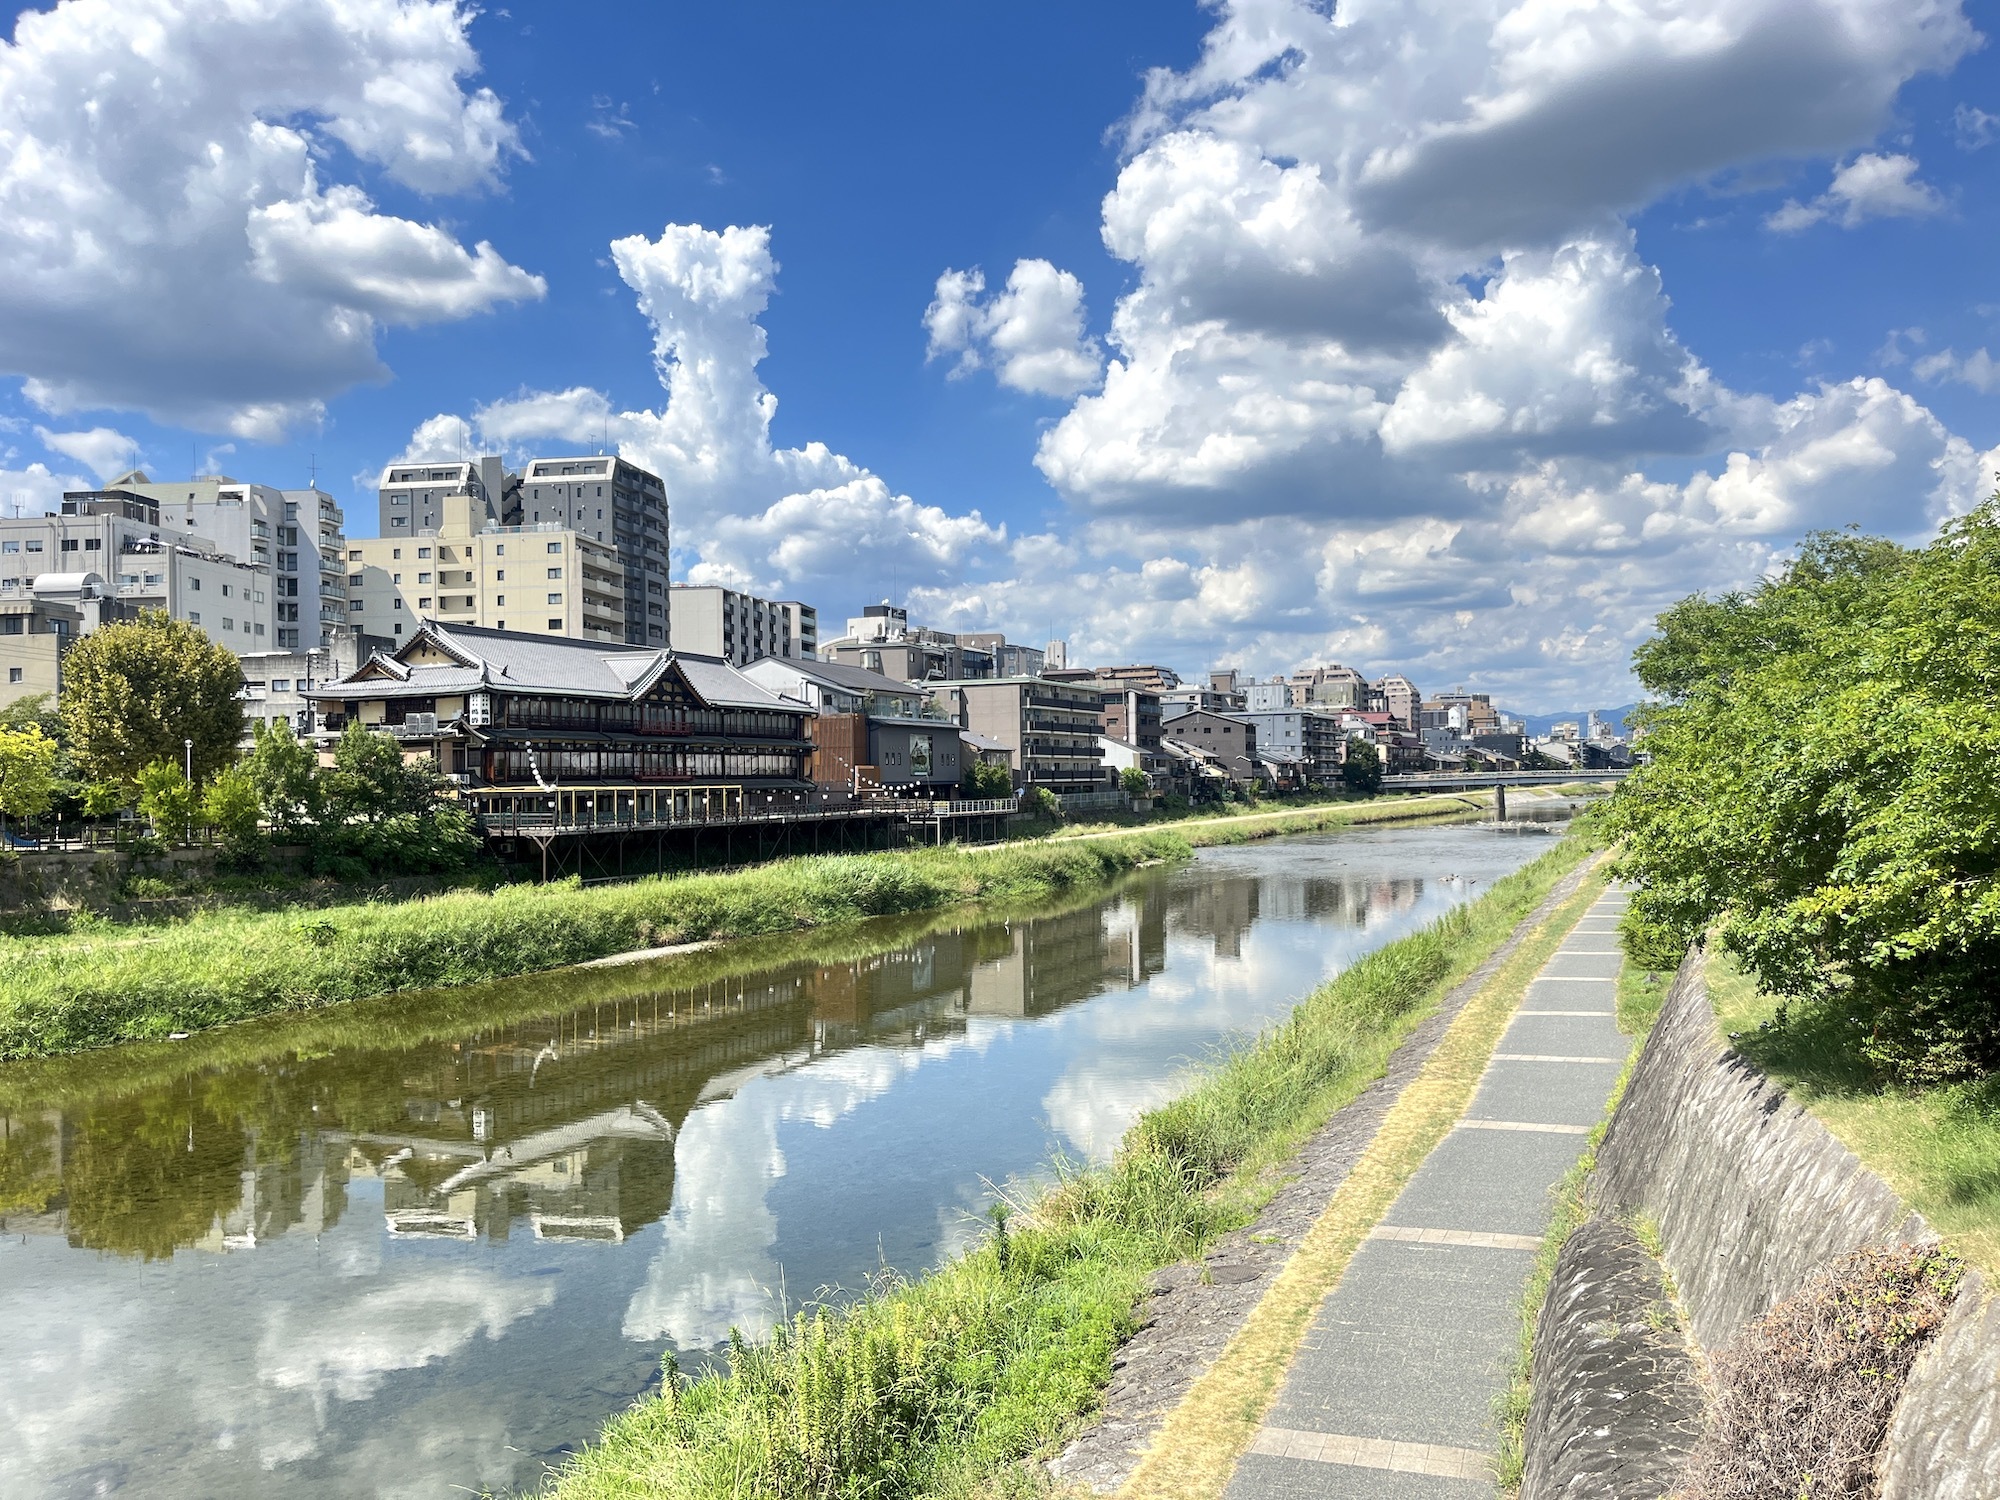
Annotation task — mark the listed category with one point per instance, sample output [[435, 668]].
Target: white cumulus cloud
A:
[[1031, 332], [1871, 186], [167, 241], [743, 512]]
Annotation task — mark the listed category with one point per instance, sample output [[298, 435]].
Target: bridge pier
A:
[[1500, 804]]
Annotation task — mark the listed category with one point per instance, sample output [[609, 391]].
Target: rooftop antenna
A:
[[312, 472]]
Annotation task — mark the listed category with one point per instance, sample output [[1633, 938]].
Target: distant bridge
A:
[[1481, 781]]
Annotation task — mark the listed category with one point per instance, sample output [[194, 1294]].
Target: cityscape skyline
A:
[[1144, 341]]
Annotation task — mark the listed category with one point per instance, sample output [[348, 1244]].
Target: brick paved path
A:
[[1391, 1396]]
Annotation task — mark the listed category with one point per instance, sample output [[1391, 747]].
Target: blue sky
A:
[[1424, 335]]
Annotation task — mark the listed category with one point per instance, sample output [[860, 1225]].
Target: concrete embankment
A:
[[1751, 1195]]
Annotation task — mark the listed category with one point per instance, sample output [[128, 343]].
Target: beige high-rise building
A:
[[540, 578]]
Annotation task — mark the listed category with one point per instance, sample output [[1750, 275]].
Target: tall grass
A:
[[63, 996], [111, 984], [939, 1386]]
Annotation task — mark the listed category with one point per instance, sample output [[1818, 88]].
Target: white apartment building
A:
[[539, 577], [295, 535], [145, 564], [739, 628]]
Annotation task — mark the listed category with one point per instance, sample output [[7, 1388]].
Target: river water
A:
[[417, 1247]]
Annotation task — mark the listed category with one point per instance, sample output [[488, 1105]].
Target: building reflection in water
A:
[[564, 1126]]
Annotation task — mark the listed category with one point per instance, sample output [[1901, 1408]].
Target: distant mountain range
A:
[[1538, 725]]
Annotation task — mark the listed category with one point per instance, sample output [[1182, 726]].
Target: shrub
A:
[[1803, 1398], [1821, 788]]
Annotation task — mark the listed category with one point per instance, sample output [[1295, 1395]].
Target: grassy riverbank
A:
[[939, 1387], [1938, 1147], [64, 994]]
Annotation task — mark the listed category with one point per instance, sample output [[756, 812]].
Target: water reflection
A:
[[315, 1234]]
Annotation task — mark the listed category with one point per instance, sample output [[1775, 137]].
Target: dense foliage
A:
[[137, 691], [1825, 785], [1362, 768]]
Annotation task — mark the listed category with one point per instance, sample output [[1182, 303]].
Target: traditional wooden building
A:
[[500, 710]]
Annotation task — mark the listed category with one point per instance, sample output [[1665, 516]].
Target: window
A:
[[500, 550], [555, 624], [354, 604], [11, 625], [93, 544], [423, 604], [499, 575], [195, 584], [225, 591], [13, 674], [555, 572], [399, 521], [69, 544], [354, 556], [500, 601], [10, 546], [227, 623], [355, 580], [396, 553], [395, 578], [194, 617], [399, 605], [424, 577], [152, 580], [555, 598], [423, 552], [125, 580], [35, 544], [555, 547]]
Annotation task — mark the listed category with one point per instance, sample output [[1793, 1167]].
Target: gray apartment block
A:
[[740, 628], [1314, 739], [625, 507], [1050, 729]]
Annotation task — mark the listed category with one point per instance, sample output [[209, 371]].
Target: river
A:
[[421, 1246]]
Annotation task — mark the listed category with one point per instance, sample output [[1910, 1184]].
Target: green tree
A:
[[1362, 768], [1132, 782], [166, 798], [230, 804], [1824, 790], [983, 781], [367, 781], [37, 709], [286, 775], [136, 691], [27, 772]]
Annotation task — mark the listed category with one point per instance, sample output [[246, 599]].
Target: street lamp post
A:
[[187, 745]]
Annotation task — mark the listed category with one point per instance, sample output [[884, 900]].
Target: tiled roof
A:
[[550, 664]]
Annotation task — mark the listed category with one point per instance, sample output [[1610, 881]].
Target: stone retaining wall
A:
[[1617, 1405], [1752, 1194]]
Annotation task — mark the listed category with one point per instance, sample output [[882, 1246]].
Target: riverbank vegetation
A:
[[111, 984], [59, 996], [940, 1386], [1823, 802], [1824, 791]]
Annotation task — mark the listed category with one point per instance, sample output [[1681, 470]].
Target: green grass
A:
[[1939, 1148], [938, 1387], [59, 996], [109, 984]]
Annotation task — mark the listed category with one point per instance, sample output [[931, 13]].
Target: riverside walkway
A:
[[1391, 1394]]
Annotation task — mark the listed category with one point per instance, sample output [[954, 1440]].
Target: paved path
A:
[[1391, 1396]]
